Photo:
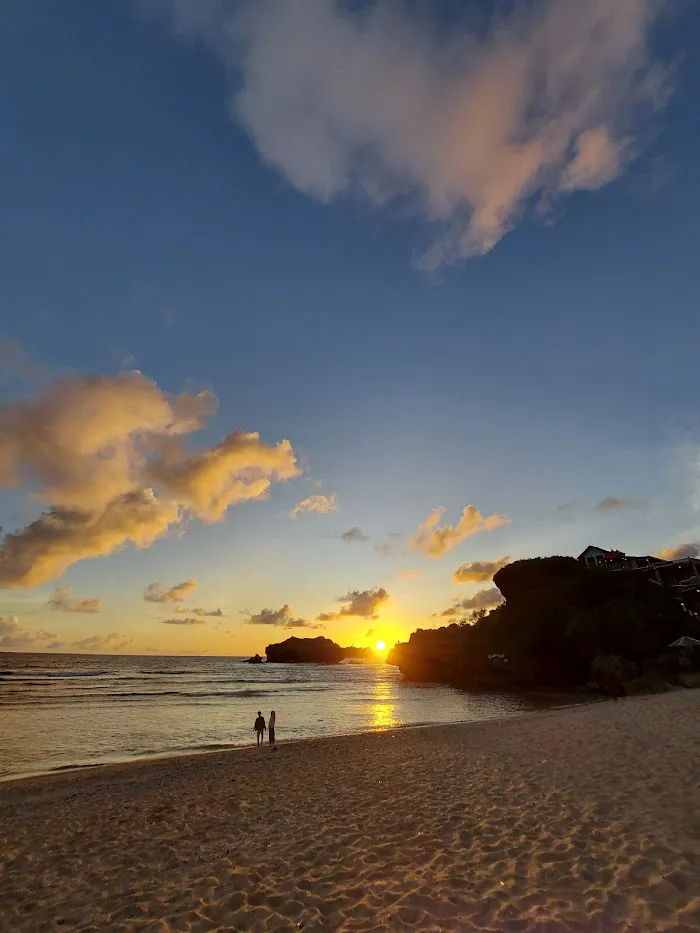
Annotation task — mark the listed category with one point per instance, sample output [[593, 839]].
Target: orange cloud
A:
[[434, 540], [409, 573], [319, 504], [155, 593], [62, 601], [15, 637], [689, 549], [479, 571], [112, 642], [107, 455]]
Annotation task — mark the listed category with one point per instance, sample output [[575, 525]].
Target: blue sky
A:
[[255, 220]]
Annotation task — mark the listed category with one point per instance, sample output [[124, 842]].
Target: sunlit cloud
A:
[[482, 599], [108, 457], [479, 571], [182, 620], [156, 593], [689, 549], [320, 504], [61, 601], [409, 573], [15, 637], [216, 613], [354, 535], [620, 504], [283, 618], [361, 603], [111, 642], [433, 539], [473, 126]]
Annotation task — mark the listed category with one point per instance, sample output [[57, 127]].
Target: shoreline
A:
[[582, 819], [176, 754]]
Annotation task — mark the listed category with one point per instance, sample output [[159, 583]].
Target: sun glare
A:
[[380, 646]]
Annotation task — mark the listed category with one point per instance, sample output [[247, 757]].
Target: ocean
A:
[[60, 711]]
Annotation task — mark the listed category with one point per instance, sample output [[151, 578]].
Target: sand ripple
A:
[[586, 819]]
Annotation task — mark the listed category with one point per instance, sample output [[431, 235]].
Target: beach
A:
[[583, 819]]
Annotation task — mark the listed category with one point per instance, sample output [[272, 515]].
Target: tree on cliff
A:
[[557, 617]]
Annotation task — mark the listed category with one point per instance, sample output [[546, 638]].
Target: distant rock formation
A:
[[358, 654], [256, 659], [305, 651]]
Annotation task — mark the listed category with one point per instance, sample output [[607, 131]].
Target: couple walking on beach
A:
[[260, 728]]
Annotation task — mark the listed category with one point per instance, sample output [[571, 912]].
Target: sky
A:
[[315, 314]]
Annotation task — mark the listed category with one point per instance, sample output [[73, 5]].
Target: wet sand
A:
[[582, 819]]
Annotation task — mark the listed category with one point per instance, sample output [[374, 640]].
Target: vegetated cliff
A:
[[304, 651], [558, 622]]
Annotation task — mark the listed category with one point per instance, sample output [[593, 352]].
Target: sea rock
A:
[[305, 651], [256, 659]]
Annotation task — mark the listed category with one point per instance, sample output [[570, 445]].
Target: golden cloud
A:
[[107, 455], [434, 540], [62, 601], [479, 571], [319, 504], [689, 549], [156, 593]]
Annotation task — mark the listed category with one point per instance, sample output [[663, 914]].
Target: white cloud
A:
[[319, 504], [108, 457], [62, 601], [471, 124], [434, 540], [156, 593]]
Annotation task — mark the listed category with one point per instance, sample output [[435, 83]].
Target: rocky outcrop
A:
[[305, 651], [256, 659], [689, 680]]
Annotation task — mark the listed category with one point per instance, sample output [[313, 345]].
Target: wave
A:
[[28, 672]]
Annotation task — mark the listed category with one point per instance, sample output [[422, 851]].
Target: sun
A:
[[380, 646]]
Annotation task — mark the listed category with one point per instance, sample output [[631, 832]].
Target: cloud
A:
[[283, 618], [482, 599], [320, 504], [689, 549], [111, 642], [371, 633], [434, 540], [617, 504], [15, 637], [479, 571], [182, 620], [355, 535], [409, 573], [156, 593], [384, 548], [108, 456], [361, 603], [217, 613], [62, 601], [472, 125], [567, 510]]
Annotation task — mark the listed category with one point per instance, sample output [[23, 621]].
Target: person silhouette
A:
[[259, 727], [271, 729]]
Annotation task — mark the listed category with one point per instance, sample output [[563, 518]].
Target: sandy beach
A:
[[585, 818]]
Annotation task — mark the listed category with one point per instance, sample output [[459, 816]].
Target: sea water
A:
[[61, 711]]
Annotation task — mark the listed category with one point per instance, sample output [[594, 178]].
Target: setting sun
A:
[[380, 646]]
